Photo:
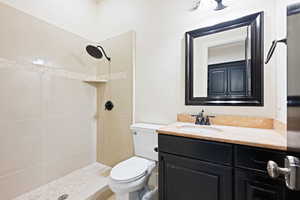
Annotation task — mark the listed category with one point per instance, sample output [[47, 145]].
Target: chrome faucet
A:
[[202, 120]]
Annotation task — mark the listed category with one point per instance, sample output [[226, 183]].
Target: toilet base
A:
[[130, 196], [122, 197], [137, 195]]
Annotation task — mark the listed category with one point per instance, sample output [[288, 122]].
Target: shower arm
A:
[[108, 58]]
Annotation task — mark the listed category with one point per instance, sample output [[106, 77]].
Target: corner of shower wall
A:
[[114, 138]]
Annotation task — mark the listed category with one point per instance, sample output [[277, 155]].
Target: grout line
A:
[[19, 171], [49, 116], [49, 69]]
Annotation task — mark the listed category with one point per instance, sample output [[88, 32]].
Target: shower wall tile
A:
[[20, 95], [114, 126], [20, 145], [69, 97], [47, 129], [118, 140], [20, 182], [55, 169], [26, 38], [66, 136]]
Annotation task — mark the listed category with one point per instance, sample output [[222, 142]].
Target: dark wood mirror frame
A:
[[256, 21]]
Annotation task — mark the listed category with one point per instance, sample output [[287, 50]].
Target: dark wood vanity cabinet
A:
[[192, 169], [185, 178], [253, 185], [251, 181]]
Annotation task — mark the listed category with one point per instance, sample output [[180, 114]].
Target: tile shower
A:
[[47, 113]]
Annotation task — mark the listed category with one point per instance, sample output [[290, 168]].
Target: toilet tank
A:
[[145, 140]]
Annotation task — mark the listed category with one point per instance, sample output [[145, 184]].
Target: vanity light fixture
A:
[[196, 5], [220, 5]]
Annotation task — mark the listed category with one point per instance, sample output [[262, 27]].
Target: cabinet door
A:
[[237, 79], [227, 79], [182, 178], [217, 81], [252, 185]]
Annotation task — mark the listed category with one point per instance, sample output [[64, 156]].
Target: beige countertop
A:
[[264, 138]]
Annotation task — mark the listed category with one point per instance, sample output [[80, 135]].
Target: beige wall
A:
[[47, 125], [160, 28], [114, 135]]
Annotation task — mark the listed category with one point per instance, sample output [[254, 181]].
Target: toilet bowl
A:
[[129, 179]]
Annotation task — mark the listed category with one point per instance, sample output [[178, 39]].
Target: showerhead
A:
[[96, 52]]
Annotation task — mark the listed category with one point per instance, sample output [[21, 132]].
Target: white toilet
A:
[[129, 179]]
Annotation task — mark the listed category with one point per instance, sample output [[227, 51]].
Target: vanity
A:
[[220, 164]]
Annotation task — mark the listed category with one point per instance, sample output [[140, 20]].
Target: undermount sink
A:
[[199, 129]]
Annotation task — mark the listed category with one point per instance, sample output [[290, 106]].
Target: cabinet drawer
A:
[[255, 158], [199, 149]]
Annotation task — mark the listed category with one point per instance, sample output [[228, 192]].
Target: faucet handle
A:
[[207, 120], [198, 119]]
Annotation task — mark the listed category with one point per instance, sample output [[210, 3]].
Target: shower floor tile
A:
[[83, 184]]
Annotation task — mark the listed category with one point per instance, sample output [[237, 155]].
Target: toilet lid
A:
[[130, 170]]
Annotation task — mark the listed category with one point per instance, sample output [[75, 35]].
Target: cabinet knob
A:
[[156, 149]]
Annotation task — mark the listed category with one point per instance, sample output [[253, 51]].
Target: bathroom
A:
[[103, 100]]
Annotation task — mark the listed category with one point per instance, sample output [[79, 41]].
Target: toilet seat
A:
[[130, 170]]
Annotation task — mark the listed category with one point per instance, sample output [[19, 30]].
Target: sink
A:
[[199, 129]]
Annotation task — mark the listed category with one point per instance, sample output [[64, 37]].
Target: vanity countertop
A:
[[264, 138]]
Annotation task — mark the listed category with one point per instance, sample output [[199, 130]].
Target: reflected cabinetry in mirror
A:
[[224, 63]]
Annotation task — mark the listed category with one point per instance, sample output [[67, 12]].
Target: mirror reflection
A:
[[222, 64]]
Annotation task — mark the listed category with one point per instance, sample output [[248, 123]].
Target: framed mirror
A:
[[224, 63]]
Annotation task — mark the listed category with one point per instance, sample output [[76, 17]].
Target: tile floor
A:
[[81, 184]]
